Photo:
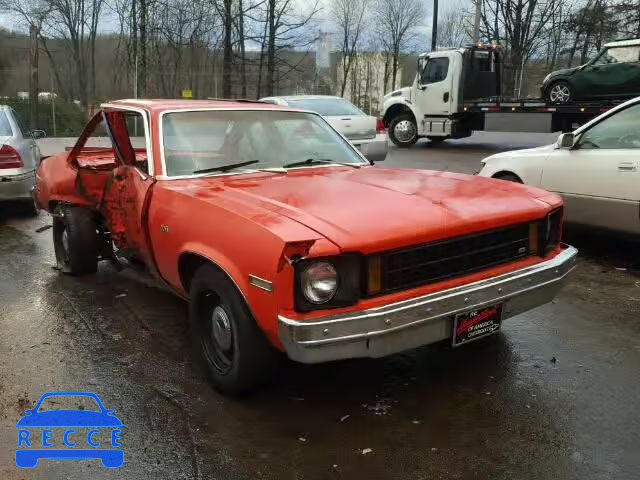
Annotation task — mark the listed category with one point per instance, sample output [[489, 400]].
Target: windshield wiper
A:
[[225, 168], [310, 161]]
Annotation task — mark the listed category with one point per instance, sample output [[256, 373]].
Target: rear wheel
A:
[[560, 93], [235, 352], [403, 131], [75, 240]]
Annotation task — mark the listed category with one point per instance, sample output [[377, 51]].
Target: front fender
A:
[[395, 106]]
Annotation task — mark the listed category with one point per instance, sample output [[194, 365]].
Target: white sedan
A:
[[595, 169]]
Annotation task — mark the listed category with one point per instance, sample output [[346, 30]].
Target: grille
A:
[[413, 266]]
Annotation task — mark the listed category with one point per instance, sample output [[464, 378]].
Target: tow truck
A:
[[456, 92]]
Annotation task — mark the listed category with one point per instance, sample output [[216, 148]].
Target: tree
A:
[[453, 28], [518, 26], [349, 16], [283, 31], [397, 21]]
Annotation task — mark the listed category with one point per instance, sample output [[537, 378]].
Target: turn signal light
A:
[[10, 158], [374, 280]]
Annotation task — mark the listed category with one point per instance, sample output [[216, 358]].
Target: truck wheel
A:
[[232, 347], [75, 240], [559, 93], [403, 131]]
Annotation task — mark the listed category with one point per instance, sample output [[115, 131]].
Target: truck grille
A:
[[420, 264]]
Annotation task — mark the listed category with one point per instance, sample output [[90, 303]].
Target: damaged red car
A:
[[285, 238]]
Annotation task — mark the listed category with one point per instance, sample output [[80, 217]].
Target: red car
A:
[[283, 237]]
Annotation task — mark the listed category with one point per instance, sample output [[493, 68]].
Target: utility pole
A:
[[434, 28], [33, 76], [476, 26], [53, 105]]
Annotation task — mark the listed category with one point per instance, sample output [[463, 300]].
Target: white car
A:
[[596, 169], [19, 156], [365, 132]]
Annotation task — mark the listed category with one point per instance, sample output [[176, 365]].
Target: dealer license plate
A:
[[475, 324]]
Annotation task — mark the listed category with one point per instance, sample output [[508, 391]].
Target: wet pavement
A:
[[554, 395]]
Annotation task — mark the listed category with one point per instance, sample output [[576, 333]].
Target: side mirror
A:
[[566, 141], [36, 134], [422, 87]]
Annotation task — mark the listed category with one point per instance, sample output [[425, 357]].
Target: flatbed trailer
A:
[[457, 92]]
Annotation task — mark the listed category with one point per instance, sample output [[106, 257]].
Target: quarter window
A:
[[435, 70], [619, 131]]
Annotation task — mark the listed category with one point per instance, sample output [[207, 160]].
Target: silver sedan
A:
[[365, 132], [19, 156]]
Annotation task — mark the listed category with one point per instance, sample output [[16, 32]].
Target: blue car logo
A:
[[29, 449]]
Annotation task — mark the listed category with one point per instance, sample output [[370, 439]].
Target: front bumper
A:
[[374, 149], [408, 324], [16, 187]]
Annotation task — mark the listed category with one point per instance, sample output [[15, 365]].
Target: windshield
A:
[[212, 140], [329, 107]]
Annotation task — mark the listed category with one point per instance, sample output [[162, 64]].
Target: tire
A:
[[226, 337], [403, 131], [560, 93], [509, 177], [75, 240]]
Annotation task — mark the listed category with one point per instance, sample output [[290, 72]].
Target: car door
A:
[[128, 191], [434, 86], [599, 177]]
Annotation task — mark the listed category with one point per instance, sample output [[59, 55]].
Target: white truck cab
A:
[[433, 106]]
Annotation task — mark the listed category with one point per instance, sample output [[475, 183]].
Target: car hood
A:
[[69, 418], [523, 153], [566, 71], [374, 209]]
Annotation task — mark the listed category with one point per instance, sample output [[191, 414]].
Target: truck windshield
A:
[[211, 140]]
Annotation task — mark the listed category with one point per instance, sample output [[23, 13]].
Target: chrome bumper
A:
[[408, 324]]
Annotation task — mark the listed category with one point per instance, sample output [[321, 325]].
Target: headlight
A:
[[319, 282], [328, 282]]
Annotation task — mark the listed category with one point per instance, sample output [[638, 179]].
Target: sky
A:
[[9, 21]]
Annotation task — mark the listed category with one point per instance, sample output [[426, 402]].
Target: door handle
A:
[[445, 97], [627, 167]]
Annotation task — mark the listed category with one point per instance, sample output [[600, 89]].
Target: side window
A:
[[619, 55], [617, 131], [435, 70]]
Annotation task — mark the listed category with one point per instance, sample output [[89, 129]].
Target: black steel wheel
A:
[[231, 346]]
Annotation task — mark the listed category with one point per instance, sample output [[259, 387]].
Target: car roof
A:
[[308, 97], [163, 105], [624, 43]]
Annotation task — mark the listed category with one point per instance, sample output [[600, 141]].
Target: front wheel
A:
[[235, 352], [403, 131], [560, 93], [75, 240], [509, 177]]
